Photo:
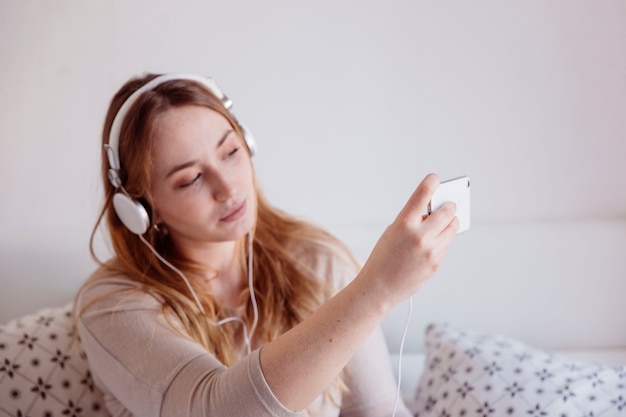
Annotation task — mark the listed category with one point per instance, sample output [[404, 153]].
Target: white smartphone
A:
[[456, 190]]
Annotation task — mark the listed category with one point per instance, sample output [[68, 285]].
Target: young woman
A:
[[217, 303]]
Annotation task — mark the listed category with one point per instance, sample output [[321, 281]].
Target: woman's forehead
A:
[[183, 133], [187, 124]]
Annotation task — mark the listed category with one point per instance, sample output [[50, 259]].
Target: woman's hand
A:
[[412, 248]]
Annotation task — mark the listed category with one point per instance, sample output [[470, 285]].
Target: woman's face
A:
[[202, 185]]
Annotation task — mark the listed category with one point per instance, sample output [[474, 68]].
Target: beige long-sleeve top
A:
[[145, 367]]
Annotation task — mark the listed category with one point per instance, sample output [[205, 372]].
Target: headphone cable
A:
[[173, 268], [247, 334], [404, 332]]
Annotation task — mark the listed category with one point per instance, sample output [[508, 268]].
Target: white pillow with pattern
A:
[[472, 374], [41, 372]]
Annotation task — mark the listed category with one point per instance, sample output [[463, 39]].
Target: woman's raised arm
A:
[[301, 363]]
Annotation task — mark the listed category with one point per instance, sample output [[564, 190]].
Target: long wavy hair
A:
[[286, 249]]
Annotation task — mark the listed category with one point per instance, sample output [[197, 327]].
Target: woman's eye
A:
[[234, 151], [192, 182]]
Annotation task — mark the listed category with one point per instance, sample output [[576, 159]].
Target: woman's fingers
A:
[[443, 221], [417, 204], [412, 214]]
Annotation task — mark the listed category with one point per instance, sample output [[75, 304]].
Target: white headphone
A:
[[131, 212]]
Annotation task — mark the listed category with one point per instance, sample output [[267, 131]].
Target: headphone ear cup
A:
[[248, 138], [132, 213]]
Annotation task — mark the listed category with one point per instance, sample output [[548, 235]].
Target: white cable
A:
[[406, 328], [246, 339], [178, 271], [247, 334], [255, 307]]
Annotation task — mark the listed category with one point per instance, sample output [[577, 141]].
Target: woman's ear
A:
[[157, 223]]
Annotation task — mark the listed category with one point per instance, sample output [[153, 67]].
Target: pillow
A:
[[469, 374], [41, 374]]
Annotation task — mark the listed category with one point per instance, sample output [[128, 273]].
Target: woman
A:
[[170, 325]]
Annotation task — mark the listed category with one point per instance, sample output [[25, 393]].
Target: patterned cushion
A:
[[41, 374], [471, 374]]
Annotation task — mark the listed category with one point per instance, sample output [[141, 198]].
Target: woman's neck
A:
[[223, 273]]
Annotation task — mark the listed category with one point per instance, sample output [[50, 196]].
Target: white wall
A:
[[351, 102]]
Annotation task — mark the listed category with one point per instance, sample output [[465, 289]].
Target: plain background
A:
[[351, 103]]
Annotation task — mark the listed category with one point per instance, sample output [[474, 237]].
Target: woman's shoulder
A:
[[109, 285], [330, 260], [109, 274]]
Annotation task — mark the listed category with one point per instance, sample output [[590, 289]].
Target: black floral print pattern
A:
[[509, 378], [42, 373]]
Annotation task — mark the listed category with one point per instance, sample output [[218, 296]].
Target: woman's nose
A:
[[222, 187]]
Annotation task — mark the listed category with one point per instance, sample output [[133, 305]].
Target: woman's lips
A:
[[235, 213]]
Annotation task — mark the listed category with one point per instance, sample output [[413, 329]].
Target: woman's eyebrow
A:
[[180, 167], [223, 139], [194, 161]]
